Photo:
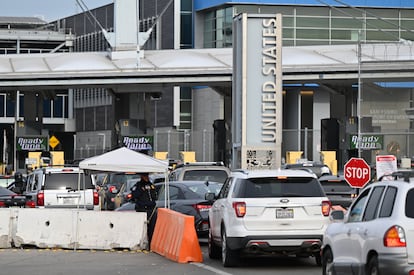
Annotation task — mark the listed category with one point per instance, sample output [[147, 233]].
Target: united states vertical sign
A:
[[257, 91]]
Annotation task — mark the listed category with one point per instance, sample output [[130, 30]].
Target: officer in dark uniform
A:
[[145, 195], [19, 184]]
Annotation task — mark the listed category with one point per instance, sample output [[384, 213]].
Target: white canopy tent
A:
[[125, 160]]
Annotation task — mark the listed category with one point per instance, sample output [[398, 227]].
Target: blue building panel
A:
[[204, 4]]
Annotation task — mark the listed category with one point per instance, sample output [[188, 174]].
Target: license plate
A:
[[284, 213], [68, 201]]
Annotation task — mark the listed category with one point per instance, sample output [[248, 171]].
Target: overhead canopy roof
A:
[[201, 67]]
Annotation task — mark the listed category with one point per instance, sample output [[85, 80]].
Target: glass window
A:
[[373, 204], [409, 204], [66, 181], [355, 215], [382, 24], [274, 187], [346, 23], [382, 35], [2, 105], [314, 11], [225, 188], [388, 202], [311, 22], [174, 192], [10, 107], [58, 107], [206, 175], [312, 34], [186, 5], [186, 31], [47, 108]]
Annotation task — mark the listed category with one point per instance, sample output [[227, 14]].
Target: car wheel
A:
[[229, 257], [327, 259], [214, 251], [372, 266]]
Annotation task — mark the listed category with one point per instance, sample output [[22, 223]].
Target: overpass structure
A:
[[324, 65]]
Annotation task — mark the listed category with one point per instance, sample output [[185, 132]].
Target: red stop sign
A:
[[357, 172]]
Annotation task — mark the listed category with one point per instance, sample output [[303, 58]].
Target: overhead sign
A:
[[367, 142], [31, 143], [357, 172], [139, 143]]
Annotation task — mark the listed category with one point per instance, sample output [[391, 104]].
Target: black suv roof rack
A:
[[406, 175], [201, 163]]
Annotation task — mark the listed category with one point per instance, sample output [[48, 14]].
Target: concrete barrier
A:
[[72, 229], [7, 226]]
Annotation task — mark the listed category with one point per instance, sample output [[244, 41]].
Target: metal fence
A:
[[175, 141]]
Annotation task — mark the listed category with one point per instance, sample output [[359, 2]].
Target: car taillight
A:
[[40, 199], [113, 189], [128, 196], [394, 237], [240, 208], [202, 207], [326, 208], [95, 198], [30, 204], [2, 204]]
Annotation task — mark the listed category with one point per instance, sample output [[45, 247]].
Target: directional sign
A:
[[357, 172]]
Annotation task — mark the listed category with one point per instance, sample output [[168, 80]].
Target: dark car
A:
[[187, 197], [111, 186], [10, 199], [338, 190], [319, 169]]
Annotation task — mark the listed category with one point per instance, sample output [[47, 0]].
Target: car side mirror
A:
[[337, 215], [210, 196]]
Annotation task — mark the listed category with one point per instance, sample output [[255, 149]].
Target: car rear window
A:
[[336, 186], [206, 175], [280, 187], [62, 181]]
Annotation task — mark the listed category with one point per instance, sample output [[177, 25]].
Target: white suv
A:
[[65, 187], [376, 236], [268, 212]]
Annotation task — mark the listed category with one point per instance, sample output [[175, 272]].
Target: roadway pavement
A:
[[34, 261]]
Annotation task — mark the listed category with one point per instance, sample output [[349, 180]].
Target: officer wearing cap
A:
[[145, 195]]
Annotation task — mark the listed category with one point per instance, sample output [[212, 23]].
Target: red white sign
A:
[[357, 172], [386, 165]]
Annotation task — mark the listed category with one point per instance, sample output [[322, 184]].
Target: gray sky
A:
[[47, 10]]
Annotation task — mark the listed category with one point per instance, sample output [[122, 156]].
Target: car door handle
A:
[[349, 232]]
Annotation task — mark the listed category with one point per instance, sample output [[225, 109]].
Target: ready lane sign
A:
[[357, 172]]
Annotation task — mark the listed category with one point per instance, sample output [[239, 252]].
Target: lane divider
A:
[[175, 237]]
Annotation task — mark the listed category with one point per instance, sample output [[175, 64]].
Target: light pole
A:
[[155, 98], [359, 95], [103, 141]]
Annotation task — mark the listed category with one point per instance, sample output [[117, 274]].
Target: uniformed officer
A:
[[145, 195]]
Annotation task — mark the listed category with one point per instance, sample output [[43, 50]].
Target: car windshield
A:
[[206, 175], [4, 182], [119, 179], [280, 187], [62, 181], [194, 191]]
